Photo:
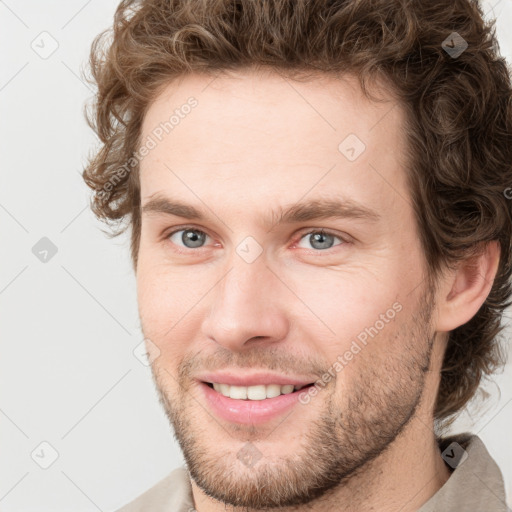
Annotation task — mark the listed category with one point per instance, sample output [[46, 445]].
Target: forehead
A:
[[257, 137]]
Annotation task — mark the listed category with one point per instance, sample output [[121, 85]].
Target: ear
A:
[[463, 291]]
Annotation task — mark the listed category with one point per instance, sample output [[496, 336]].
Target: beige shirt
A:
[[476, 484]]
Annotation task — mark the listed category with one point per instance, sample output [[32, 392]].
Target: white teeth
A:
[[259, 392], [287, 389], [238, 392], [256, 392], [273, 390]]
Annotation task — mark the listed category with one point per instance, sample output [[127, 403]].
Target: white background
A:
[[69, 326]]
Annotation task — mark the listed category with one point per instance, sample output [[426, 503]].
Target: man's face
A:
[[239, 292]]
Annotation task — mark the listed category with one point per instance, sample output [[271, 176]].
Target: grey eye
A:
[[319, 240], [190, 238]]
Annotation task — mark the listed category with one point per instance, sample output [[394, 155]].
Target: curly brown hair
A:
[[458, 118]]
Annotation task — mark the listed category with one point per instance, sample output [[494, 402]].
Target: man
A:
[[321, 236]]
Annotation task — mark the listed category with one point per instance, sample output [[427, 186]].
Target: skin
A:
[[256, 142]]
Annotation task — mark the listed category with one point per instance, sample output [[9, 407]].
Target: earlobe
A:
[[466, 288]]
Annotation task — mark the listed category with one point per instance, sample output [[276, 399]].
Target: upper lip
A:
[[253, 379]]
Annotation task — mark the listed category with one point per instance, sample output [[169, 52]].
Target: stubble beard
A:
[[380, 402]]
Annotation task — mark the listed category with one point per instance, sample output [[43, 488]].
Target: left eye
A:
[[194, 238], [320, 239]]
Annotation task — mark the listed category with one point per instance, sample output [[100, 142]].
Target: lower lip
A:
[[249, 411]]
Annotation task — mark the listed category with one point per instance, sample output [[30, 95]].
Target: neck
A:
[[403, 478]]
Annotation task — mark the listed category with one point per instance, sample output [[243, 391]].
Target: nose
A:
[[248, 306]]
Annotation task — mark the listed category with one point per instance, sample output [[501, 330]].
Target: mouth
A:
[[251, 404], [255, 392]]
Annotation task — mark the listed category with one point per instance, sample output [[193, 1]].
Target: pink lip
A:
[[248, 411], [254, 379]]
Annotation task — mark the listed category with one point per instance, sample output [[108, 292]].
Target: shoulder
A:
[[171, 493], [476, 482]]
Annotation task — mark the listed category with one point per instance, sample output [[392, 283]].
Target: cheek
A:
[[345, 302], [161, 295], [169, 299], [162, 312]]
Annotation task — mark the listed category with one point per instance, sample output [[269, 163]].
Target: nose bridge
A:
[[244, 305]]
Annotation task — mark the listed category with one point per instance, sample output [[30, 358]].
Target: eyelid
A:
[[186, 227]]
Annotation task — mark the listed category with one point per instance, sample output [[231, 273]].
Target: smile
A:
[[250, 404], [256, 392]]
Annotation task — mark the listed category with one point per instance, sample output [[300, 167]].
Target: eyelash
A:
[[300, 236]]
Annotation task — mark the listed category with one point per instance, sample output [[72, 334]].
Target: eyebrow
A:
[[298, 212]]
